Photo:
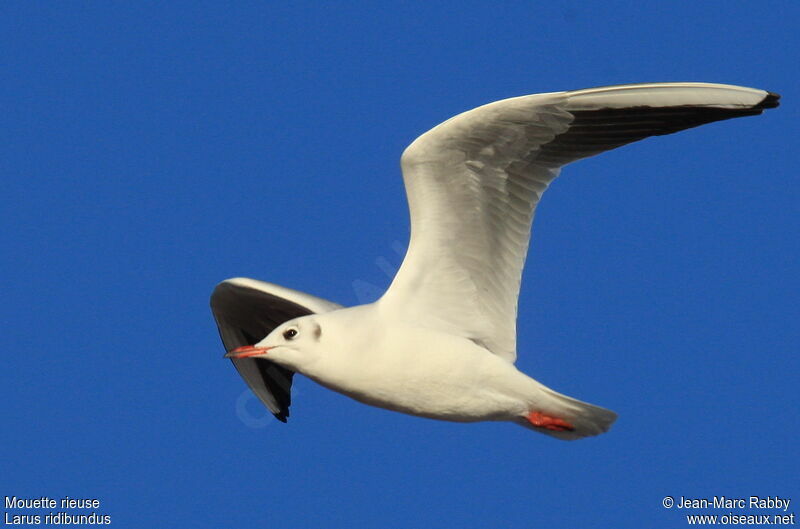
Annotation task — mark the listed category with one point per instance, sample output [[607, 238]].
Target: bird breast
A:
[[422, 372]]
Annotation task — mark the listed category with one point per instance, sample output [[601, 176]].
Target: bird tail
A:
[[566, 418]]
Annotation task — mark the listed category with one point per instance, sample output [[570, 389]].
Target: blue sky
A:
[[151, 150]]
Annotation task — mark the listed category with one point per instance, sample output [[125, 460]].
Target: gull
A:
[[441, 342]]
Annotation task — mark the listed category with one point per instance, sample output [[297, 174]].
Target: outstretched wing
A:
[[246, 311], [474, 181]]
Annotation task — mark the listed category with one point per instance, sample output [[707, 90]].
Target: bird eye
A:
[[289, 333]]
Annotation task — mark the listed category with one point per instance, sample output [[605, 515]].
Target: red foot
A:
[[550, 423]]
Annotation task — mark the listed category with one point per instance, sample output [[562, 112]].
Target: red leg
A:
[[550, 423]]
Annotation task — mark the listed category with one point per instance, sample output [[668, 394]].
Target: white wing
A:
[[473, 183], [246, 311]]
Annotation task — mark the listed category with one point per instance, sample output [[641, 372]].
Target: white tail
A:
[[586, 419]]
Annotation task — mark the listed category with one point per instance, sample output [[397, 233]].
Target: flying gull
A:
[[441, 342]]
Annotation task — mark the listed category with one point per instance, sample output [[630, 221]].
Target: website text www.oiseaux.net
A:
[[729, 505]]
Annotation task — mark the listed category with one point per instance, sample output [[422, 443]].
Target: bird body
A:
[[441, 342], [421, 371]]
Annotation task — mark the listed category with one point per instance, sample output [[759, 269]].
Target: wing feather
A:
[[474, 181], [246, 311]]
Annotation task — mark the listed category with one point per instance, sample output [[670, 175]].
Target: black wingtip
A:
[[281, 415], [771, 101]]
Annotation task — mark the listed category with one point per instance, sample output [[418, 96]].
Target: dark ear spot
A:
[[317, 331]]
